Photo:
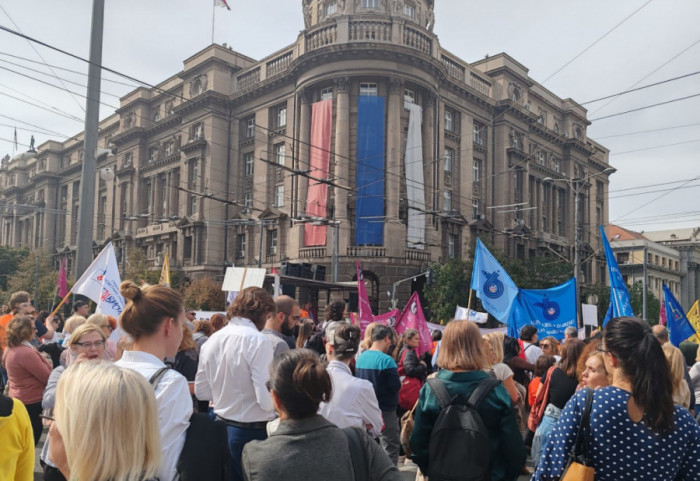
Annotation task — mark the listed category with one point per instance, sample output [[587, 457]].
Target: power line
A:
[[655, 147], [645, 107], [647, 131], [640, 88]]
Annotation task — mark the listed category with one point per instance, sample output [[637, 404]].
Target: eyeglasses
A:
[[46, 419], [600, 349], [546, 346], [88, 345]]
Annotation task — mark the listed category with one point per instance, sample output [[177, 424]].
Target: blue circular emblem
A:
[[493, 288]]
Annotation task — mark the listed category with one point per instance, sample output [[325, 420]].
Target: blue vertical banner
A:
[[369, 228], [492, 284], [619, 295], [517, 318], [551, 310], [679, 327]]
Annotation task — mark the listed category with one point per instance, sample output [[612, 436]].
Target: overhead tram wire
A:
[[655, 147], [36, 126], [648, 131], [646, 107], [651, 201], [624, 92], [598, 40]]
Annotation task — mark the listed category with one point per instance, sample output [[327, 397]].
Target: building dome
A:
[[416, 11]]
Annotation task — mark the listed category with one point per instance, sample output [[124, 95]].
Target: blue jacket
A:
[[380, 369]]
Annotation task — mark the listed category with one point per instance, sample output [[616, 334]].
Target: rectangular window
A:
[[409, 11], [248, 200], [193, 205], [368, 90], [272, 242], [279, 196], [197, 131], [248, 163], [477, 135], [447, 200], [153, 154], [449, 158], [476, 171], [240, 246], [370, 3], [248, 127], [282, 116], [280, 153], [409, 96], [449, 121], [194, 173], [475, 208], [327, 93], [128, 159], [452, 244], [331, 8]]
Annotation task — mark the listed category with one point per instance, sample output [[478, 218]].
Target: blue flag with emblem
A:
[[551, 310], [492, 284], [619, 295], [679, 327]]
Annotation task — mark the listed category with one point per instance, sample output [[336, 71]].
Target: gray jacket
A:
[[312, 449]]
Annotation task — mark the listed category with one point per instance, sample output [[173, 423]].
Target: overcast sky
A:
[[626, 42]]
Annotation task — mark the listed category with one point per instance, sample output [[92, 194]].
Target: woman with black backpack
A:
[[489, 446]]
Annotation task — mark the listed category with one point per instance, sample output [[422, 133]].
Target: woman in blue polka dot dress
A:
[[636, 431]]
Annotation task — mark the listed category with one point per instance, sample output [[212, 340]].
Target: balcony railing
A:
[[417, 255], [279, 64], [418, 40], [372, 31], [320, 38], [249, 79], [366, 251], [312, 252]]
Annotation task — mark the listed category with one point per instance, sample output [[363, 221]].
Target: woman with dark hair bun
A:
[[314, 448], [636, 432]]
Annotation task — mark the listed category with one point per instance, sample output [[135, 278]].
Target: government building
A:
[[364, 139]]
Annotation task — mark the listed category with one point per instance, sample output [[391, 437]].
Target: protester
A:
[[570, 333], [541, 367], [108, 326], [695, 377], [190, 317], [72, 323], [354, 403], [202, 331], [312, 447], [234, 369], [105, 426], [335, 312], [463, 360], [412, 371], [377, 367], [306, 329], [528, 339], [562, 385], [218, 321], [366, 342], [27, 370], [187, 358], [594, 374], [81, 308], [681, 392], [550, 347], [637, 431], [86, 344], [661, 334], [279, 328], [511, 356], [17, 299], [501, 371], [16, 441], [154, 317]]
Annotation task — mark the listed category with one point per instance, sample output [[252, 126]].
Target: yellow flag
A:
[[694, 318], [165, 272]]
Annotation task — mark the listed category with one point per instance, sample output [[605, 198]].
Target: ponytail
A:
[[300, 381], [643, 362]]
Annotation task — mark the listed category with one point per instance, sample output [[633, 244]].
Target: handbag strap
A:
[[440, 392], [582, 443], [357, 455]]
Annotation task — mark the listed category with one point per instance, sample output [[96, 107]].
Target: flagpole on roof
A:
[[213, 17]]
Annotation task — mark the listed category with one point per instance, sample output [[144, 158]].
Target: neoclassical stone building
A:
[[363, 139]]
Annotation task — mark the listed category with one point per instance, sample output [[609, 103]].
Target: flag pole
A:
[[61, 303], [213, 16], [53, 301]]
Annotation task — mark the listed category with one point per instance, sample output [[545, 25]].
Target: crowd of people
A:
[[270, 390]]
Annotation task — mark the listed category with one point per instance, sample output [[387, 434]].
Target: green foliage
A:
[[637, 301], [139, 268], [204, 294], [450, 288], [25, 278], [10, 257]]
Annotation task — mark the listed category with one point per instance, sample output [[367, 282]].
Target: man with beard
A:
[[279, 327]]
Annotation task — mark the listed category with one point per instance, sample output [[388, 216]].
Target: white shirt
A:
[[174, 406], [353, 402], [532, 353], [233, 370]]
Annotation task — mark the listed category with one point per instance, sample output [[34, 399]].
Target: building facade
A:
[[363, 140]]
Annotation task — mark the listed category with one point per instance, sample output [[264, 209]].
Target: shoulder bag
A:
[[537, 409], [580, 466]]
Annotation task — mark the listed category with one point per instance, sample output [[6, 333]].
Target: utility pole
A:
[[86, 209], [645, 286], [577, 260]]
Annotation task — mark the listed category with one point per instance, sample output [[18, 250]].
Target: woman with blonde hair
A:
[[494, 349], [366, 342], [463, 360], [27, 370], [105, 425], [681, 391], [86, 344], [105, 323], [154, 317]]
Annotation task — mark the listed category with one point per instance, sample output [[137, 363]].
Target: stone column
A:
[[431, 166], [394, 233], [341, 163], [296, 233]]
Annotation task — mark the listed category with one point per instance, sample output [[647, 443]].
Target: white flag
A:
[[462, 313], [221, 3], [100, 282]]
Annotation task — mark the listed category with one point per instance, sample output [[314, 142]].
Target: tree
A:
[[10, 257], [139, 268], [26, 275], [204, 294], [450, 288], [636, 299]]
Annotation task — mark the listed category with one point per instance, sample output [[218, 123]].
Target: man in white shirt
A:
[[234, 369], [280, 326], [528, 334]]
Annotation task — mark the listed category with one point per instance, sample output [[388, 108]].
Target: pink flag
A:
[[364, 309], [388, 318], [62, 280], [412, 318], [662, 313]]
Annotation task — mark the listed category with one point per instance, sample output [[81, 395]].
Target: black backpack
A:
[[460, 449], [205, 455]]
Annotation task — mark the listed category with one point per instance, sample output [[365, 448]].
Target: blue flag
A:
[[551, 310], [492, 283], [517, 318], [619, 295], [679, 327]]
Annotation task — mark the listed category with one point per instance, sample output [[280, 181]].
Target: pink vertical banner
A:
[[62, 280], [662, 313], [412, 318], [319, 166], [364, 308], [388, 318]]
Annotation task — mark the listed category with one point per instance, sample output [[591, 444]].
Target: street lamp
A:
[[576, 185]]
